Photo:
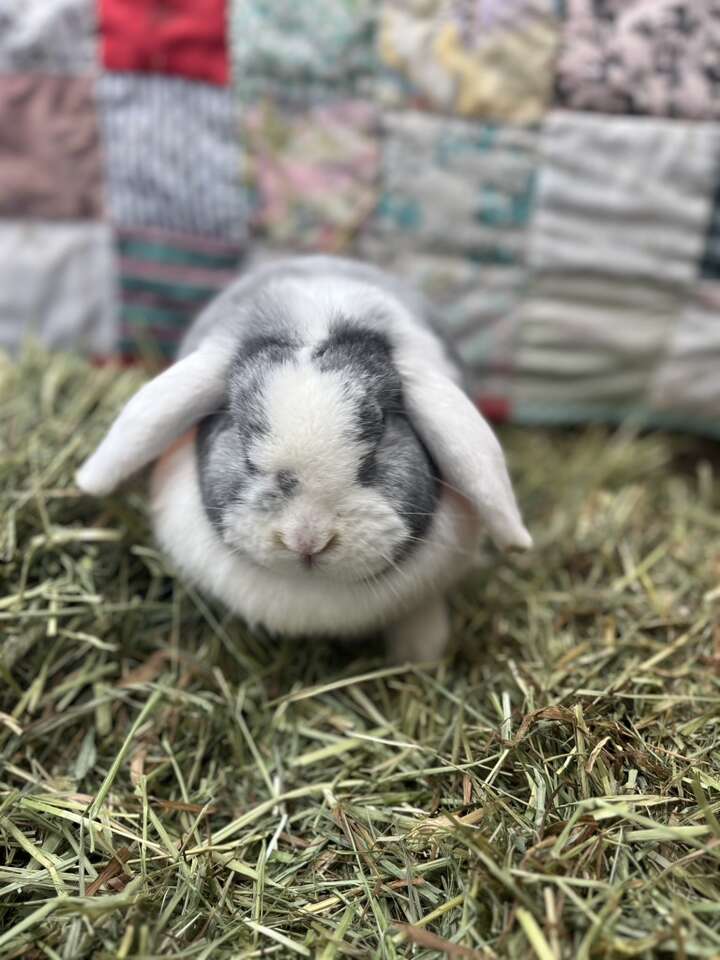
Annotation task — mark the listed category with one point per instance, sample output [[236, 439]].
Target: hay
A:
[[173, 786]]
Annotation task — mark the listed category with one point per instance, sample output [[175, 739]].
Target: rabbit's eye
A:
[[287, 482]]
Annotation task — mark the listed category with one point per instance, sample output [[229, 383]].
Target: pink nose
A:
[[308, 546]]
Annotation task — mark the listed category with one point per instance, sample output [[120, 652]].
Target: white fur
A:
[[310, 422], [298, 602]]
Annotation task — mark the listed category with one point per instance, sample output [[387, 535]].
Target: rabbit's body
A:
[[335, 479]]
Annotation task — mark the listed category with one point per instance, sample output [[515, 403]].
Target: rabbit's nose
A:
[[308, 546]]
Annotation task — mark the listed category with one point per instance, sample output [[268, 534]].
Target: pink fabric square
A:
[[50, 160], [659, 57]]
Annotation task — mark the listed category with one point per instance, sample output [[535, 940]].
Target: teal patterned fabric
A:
[[321, 41]]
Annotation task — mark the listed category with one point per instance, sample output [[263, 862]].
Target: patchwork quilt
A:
[[548, 171]]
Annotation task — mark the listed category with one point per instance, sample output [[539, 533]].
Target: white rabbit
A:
[[321, 469]]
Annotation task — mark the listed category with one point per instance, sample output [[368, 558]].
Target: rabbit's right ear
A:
[[465, 450], [158, 414]]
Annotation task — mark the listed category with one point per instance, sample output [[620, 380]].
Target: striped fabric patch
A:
[[687, 380], [165, 280], [172, 155], [617, 235]]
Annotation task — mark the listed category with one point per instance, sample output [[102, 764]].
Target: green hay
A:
[[172, 786]]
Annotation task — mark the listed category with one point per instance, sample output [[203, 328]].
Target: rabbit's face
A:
[[313, 467]]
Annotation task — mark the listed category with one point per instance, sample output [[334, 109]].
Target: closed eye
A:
[[250, 467]]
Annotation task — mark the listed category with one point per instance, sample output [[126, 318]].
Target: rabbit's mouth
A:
[[322, 565]]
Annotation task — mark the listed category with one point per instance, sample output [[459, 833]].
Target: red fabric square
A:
[[185, 37], [496, 409]]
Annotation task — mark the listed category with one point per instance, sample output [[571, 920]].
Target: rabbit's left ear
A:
[[466, 452], [160, 412]]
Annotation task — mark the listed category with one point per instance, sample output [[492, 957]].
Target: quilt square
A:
[[184, 37], [453, 185], [587, 346], [625, 196], [47, 36], [172, 155], [57, 284], [490, 59], [50, 159], [621, 211], [165, 280], [659, 57], [455, 203], [312, 163], [687, 382], [313, 41]]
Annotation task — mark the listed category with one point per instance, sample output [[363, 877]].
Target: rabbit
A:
[[319, 467]]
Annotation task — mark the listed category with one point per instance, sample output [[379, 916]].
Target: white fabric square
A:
[[585, 341], [57, 284], [627, 196], [688, 382], [621, 210], [49, 36]]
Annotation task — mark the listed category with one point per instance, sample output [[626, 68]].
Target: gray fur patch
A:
[[222, 473], [227, 475], [365, 355], [256, 355], [405, 473], [287, 482]]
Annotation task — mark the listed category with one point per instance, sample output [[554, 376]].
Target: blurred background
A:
[[549, 172]]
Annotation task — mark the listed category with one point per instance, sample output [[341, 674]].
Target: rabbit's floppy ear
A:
[[160, 412], [466, 452]]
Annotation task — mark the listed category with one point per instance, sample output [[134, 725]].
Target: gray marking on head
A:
[[221, 469], [272, 342], [403, 470], [287, 482], [226, 471], [366, 356]]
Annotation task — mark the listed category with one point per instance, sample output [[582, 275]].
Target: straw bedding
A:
[[171, 785]]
